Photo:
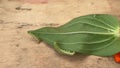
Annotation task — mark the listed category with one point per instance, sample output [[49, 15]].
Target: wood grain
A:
[[19, 50]]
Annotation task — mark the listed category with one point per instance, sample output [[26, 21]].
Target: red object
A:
[[117, 57]]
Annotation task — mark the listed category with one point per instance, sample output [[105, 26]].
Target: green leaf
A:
[[94, 34]]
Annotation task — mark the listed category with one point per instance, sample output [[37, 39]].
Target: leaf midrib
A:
[[79, 32]]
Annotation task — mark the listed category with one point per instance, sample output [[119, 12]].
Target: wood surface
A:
[[19, 50]]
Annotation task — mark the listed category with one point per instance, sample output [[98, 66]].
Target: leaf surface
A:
[[95, 34]]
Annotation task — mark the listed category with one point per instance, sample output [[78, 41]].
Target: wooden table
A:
[[19, 50]]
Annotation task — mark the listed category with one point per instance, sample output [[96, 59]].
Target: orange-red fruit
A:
[[117, 57]]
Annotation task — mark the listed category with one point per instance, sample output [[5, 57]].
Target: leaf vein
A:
[[89, 42], [101, 22]]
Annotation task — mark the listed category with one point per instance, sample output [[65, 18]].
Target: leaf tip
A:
[[31, 32]]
